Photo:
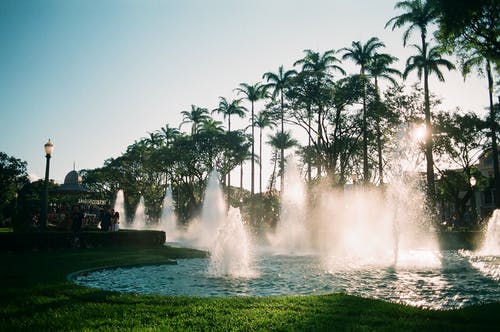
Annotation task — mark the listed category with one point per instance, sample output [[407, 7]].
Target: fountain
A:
[[168, 221], [139, 221], [491, 245], [291, 235], [119, 207], [356, 240]]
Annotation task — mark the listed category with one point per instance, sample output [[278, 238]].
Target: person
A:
[[115, 221], [106, 220], [77, 219]]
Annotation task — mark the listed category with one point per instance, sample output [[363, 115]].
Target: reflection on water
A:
[[427, 279]]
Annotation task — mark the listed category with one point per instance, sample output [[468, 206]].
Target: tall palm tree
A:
[[277, 82], [379, 68], [197, 115], [262, 121], [252, 93], [319, 68], [418, 15], [426, 64], [228, 108], [362, 55], [282, 141]]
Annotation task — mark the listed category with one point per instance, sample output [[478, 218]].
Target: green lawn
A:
[[36, 296]]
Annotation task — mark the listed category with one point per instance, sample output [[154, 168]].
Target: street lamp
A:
[[49, 148], [473, 182]]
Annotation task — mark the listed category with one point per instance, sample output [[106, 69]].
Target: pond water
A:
[[437, 280]]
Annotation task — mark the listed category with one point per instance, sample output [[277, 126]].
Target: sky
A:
[[94, 76]]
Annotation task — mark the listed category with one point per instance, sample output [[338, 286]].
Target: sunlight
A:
[[420, 133]]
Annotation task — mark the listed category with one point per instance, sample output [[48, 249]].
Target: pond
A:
[[429, 279]]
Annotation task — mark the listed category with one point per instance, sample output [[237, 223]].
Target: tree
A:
[[13, 176], [461, 141], [277, 82], [196, 116], [282, 141], [316, 73], [471, 25], [262, 121], [169, 134], [253, 93], [211, 126], [477, 60], [362, 55], [379, 68], [427, 63], [418, 15], [227, 109]]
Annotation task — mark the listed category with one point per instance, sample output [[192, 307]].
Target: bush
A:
[[28, 241]]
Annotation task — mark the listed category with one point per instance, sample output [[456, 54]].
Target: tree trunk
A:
[[282, 151], [431, 191], [494, 147]]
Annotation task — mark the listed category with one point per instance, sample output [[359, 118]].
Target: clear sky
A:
[[94, 75]]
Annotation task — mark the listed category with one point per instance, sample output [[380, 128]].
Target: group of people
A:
[[110, 220]]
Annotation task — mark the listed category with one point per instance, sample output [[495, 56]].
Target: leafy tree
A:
[[13, 176], [316, 74], [379, 67], [472, 25], [362, 55], [476, 60]]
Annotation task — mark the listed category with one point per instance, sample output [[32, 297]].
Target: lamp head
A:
[[472, 181], [49, 148]]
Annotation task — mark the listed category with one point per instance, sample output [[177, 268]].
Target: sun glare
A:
[[420, 133]]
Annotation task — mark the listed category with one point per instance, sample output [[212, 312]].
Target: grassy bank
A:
[[36, 296]]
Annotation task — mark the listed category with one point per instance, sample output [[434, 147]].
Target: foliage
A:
[[13, 176], [470, 26]]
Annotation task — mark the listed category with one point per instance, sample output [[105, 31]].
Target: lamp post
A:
[[473, 182], [49, 148]]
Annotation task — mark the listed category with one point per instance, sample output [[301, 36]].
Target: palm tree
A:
[[379, 68], [169, 134], [362, 55], [262, 121], [277, 82], [211, 126], [318, 67], [197, 116], [418, 15], [282, 141], [426, 64], [154, 140], [252, 93], [228, 108]]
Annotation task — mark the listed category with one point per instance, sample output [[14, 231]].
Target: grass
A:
[[36, 296]]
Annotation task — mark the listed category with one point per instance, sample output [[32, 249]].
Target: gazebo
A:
[[72, 192]]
